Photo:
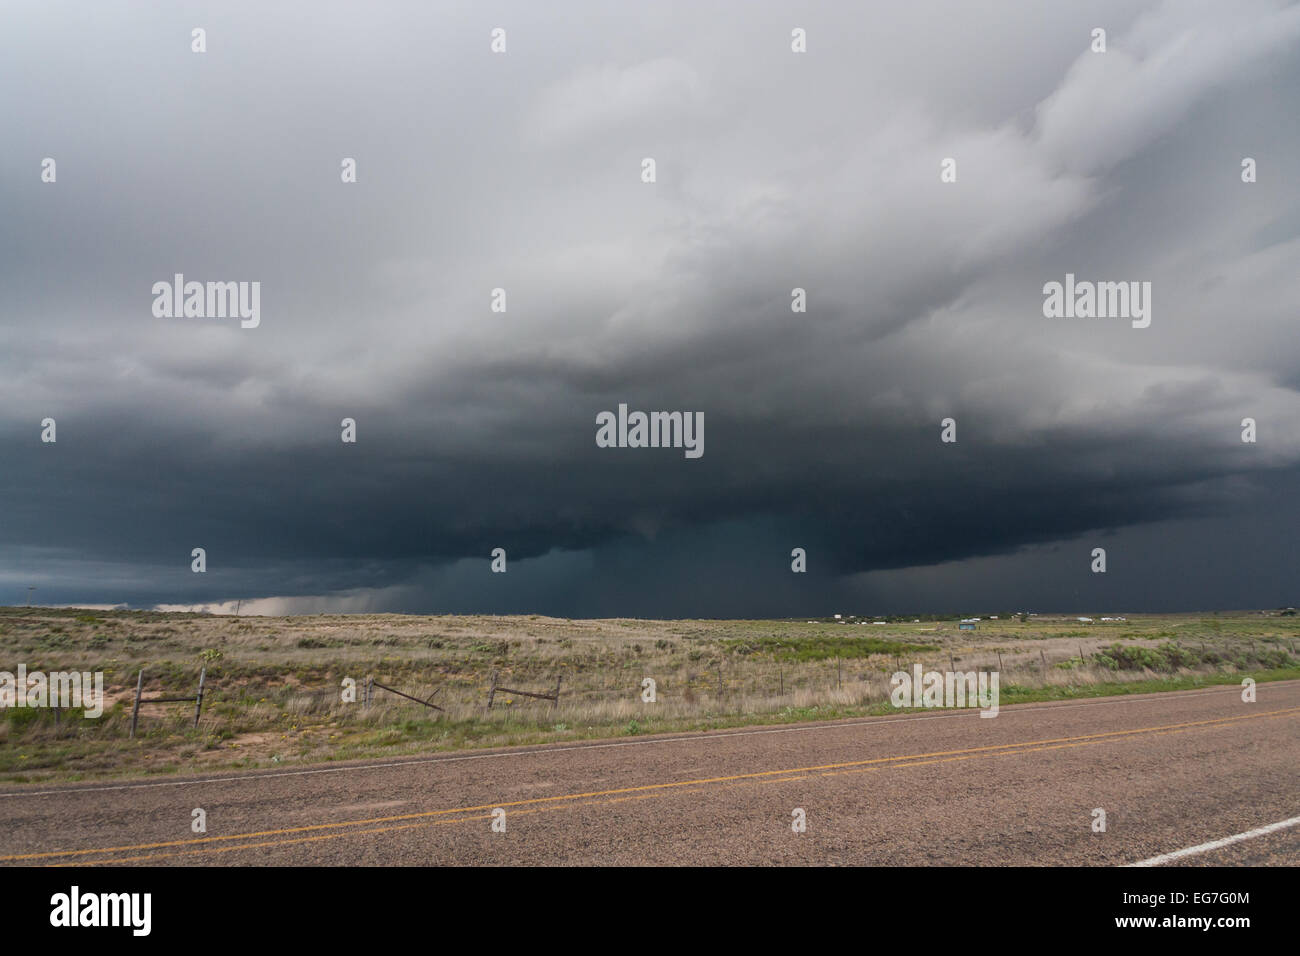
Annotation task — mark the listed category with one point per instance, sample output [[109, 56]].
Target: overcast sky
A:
[[476, 429]]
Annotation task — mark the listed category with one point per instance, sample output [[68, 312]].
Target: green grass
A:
[[1171, 657], [1013, 694], [821, 647]]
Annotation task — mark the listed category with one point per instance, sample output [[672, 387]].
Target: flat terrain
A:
[[1170, 770], [274, 691]]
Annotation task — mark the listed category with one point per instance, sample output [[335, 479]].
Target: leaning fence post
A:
[[1043, 655], [198, 701], [556, 704], [492, 691], [135, 712]]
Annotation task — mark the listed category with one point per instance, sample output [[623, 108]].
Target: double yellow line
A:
[[228, 844]]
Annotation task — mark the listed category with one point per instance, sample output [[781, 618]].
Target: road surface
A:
[[1171, 772]]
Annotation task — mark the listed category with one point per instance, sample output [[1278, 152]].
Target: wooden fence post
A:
[[492, 691], [198, 701], [999, 661], [135, 712], [555, 705], [1043, 655]]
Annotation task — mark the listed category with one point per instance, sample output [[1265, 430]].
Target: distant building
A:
[[966, 626]]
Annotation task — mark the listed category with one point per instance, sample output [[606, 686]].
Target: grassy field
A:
[[274, 684]]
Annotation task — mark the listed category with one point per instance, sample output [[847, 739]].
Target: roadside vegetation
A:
[[274, 685]]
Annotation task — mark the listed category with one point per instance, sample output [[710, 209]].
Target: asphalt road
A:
[[1171, 771]]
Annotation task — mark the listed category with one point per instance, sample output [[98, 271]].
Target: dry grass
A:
[[274, 691]]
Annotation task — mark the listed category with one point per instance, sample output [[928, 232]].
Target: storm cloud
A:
[[775, 170]]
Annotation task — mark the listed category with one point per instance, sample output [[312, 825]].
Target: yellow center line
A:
[[658, 789]]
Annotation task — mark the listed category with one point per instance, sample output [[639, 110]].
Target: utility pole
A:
[[29, 596]]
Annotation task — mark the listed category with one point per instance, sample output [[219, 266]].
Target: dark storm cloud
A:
[[476, 429]]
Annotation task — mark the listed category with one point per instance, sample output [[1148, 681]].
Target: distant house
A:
[[966, 626], [1084, 620]]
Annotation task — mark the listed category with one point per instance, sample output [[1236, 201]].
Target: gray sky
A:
[[476, 429]]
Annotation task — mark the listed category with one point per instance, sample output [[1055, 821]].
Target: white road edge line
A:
[[538, 750], [1215, 844]]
